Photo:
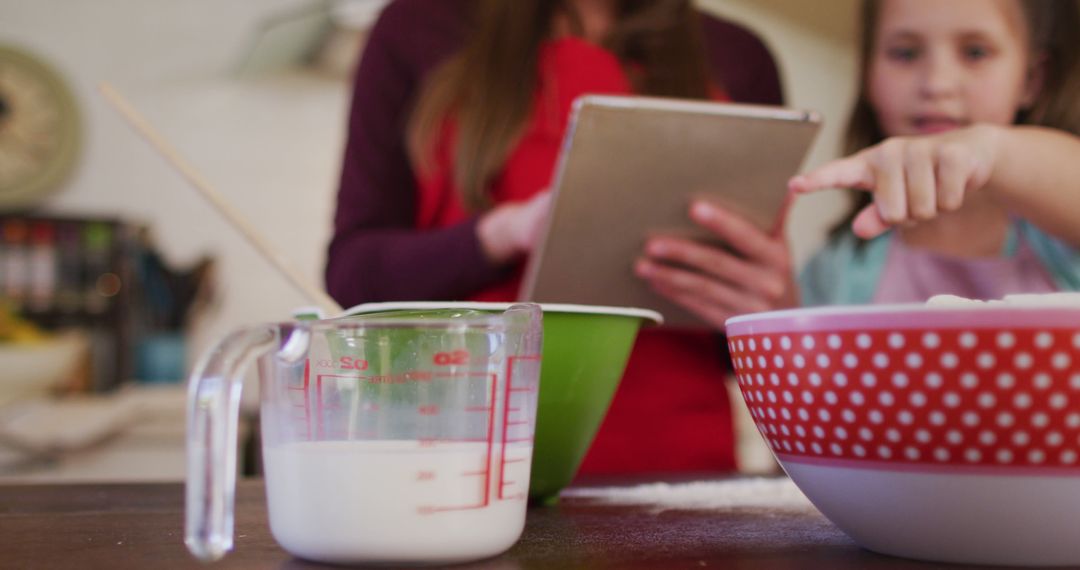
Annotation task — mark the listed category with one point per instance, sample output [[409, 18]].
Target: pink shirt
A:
[[913, 275]]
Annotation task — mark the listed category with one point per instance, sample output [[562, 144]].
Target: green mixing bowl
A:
[[586, 348]]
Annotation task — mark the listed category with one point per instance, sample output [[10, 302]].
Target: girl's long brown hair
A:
[[490, 84], [1054, 26]]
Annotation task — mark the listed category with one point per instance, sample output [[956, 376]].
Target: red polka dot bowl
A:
[[937, 433]]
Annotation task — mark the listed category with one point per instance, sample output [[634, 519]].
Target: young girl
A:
[[972, 182]]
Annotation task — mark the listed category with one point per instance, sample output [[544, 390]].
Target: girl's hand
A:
[[912, 178], [511, 230], [714, 283]]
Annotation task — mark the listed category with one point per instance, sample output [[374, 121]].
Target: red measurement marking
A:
[[490, 441], [477, 408], [506, 416], [425, 475], [429, 410], [449, 374], [426, 442], [517, 423], [350, 363], [473, 473], [319, 377], [510, 388], [455, 357], [518, 460]]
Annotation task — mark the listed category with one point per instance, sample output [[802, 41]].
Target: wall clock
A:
[[40, 129]]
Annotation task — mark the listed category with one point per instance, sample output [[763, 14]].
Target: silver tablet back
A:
[[630, 167]]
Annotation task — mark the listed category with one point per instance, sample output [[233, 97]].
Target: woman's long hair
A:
[[489, 86], [1054, 27]]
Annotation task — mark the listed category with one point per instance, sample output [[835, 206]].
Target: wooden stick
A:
[[315, 294]]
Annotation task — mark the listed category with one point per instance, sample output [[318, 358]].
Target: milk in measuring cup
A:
[[396, 501]]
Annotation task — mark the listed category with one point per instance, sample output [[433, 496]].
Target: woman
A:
[[458, 113]]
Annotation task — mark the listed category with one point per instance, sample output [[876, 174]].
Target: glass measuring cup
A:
[[392, 438]]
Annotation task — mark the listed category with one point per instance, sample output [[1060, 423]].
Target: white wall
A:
[[272, 145]]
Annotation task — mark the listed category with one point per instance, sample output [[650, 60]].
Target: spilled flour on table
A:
[[757, 493]]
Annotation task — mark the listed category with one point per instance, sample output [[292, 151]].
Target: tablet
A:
[[629, 168]]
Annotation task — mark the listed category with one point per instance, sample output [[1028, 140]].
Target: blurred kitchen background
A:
[[115, 275]]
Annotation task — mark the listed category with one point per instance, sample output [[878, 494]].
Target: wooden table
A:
[[141, 526]]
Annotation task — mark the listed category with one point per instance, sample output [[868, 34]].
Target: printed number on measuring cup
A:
[[350, 363], [453, 357]]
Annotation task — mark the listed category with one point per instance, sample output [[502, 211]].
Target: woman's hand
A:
[[912, 178], [511, 230], [714, 283]]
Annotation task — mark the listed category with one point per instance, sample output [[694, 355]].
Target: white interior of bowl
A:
[[1011, 304], [902, 317], [645, 314]]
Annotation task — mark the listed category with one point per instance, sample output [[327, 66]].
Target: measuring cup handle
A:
[[213, 409]]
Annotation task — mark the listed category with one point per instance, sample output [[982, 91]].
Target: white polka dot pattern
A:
[[943, 397]]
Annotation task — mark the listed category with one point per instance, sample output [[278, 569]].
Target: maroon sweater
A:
[[376, 253]]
